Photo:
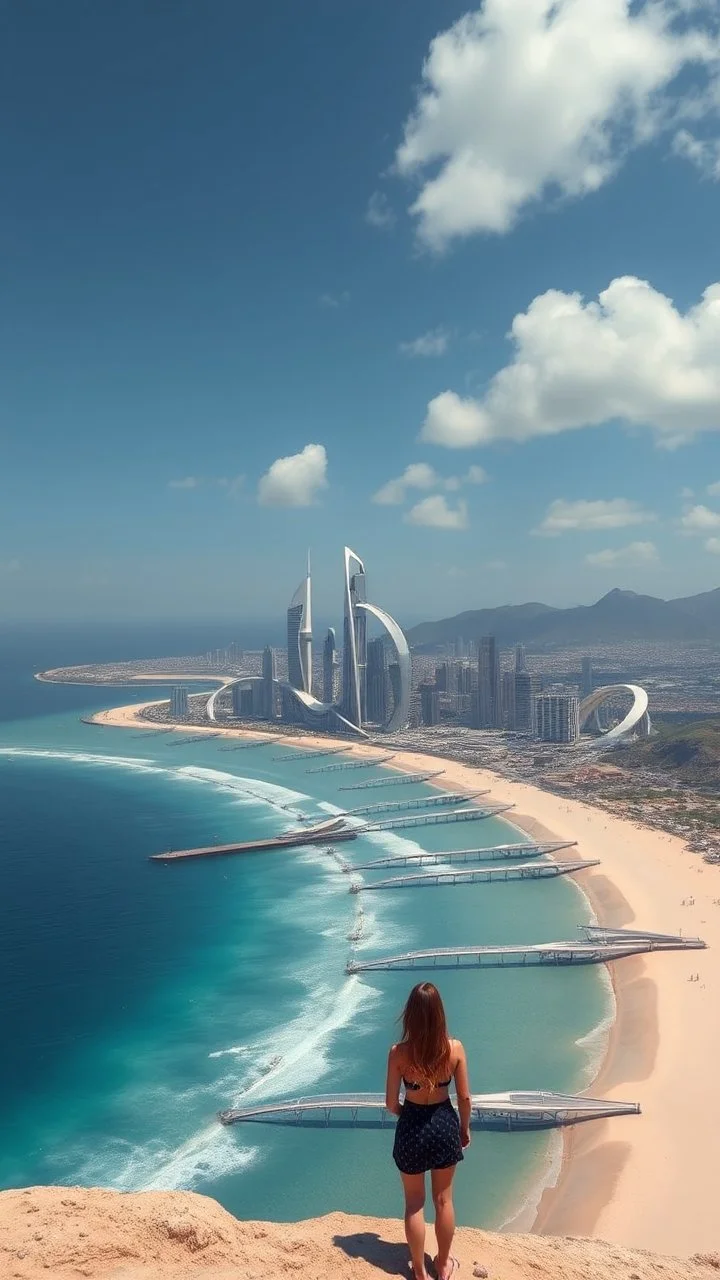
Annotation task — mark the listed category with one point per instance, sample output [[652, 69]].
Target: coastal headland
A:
[[65, 1232], [650, 1184]]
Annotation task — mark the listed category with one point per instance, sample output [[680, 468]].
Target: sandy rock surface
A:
[[66, 1232]]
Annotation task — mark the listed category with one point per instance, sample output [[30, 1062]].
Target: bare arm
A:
[[392, 1086], [464, 1097]]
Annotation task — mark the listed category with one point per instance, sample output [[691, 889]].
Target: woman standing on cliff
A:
[[429, 1135]]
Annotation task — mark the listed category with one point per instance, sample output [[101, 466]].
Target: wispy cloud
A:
[[636, 553], [379, 212], [418, 475], [334, 300], [233, 485], [584, 515], [433, 343]]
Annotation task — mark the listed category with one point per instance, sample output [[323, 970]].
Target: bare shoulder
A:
[[395, 1052], [458, 1049]]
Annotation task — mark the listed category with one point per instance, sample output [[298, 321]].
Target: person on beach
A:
[[430, 1137]]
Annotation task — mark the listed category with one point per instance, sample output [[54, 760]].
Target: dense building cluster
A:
[[483, 696]]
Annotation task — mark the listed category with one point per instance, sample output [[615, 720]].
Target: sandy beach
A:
[[648, 1182]]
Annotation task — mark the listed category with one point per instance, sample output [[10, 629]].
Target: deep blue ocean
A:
[[138, 999]]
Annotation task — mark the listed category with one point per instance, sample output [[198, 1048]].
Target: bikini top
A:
[[441, 1084]]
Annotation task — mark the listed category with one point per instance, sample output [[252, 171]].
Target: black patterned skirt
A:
[[427, 1137]]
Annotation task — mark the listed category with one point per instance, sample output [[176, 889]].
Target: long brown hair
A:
[[425, 1034]]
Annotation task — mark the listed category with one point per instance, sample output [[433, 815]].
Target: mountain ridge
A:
[[618, 615]]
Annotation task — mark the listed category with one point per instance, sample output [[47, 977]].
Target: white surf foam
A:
[[212, 1153], [243, 790], [523, 1216], [302, 1046], [134, 763], [595, 1042]]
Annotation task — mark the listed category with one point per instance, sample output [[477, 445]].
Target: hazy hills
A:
[[617, 616]]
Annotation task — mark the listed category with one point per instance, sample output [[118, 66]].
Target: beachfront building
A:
[[527, 688], [330, 667], [557, 717], [489, 697], [179, 702], [269, 682]]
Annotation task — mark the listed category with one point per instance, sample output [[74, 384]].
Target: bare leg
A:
[[444, 1217], [414, 1188]]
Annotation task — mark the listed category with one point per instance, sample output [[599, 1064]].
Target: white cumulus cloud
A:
[[432, 343], [295, 481], [712, 489], [713, 545], [699, 519], [435, 513], [417, 476], [630, 356], [584, 515], [637, 553], [187, 482], [526, 98]]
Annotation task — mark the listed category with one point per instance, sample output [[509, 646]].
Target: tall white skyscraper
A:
[[299, 636]]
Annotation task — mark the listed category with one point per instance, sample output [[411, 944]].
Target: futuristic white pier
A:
[[492, 853], [479, 875], [514, 1110], [598, 947]]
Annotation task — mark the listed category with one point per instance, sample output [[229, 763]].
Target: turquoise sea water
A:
[[138, 999]]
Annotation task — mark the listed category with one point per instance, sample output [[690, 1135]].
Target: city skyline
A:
[[299, 323]]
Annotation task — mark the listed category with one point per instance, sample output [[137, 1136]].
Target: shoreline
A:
[[663, 1045]]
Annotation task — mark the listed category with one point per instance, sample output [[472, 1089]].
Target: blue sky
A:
[[360, 237]]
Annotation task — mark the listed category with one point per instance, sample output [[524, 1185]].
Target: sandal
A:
[[453, 1264]]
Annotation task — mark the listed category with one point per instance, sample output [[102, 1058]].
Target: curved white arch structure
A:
[[210, 705], [637, 720], [210, 709], [401, 712]]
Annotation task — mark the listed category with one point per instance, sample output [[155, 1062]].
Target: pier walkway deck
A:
[[256, 742], [320, 833], [196, 737], [494, 853], [624, 942], [398, 779], [431, 819], [352, 764], [480, 875], [504, 1111], [310, 755], [439, 801]]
